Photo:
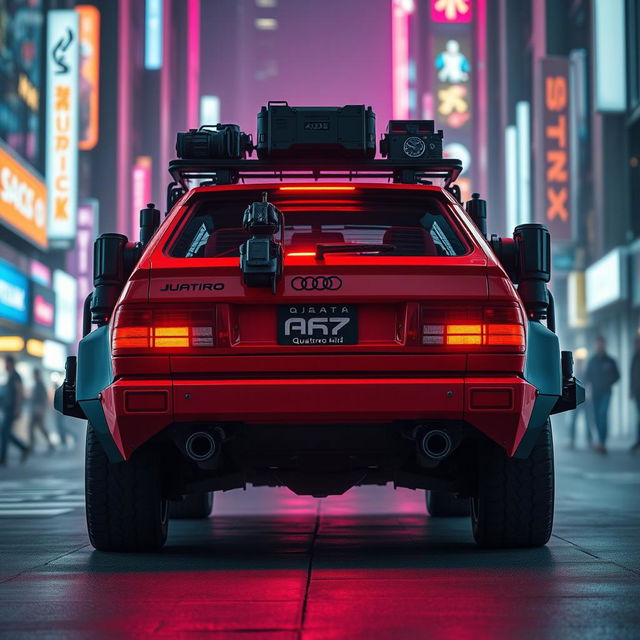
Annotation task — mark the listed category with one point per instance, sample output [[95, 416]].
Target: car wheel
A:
[[445, 504], [196, 506], [126, 510], [514, 502]]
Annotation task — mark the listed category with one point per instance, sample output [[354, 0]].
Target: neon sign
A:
[[62, 125], [555, 170], [451, 11]]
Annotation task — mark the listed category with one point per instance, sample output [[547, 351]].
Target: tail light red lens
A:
[[489, 328], [137, 330]]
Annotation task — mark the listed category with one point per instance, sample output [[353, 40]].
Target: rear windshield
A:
[[413, 226]]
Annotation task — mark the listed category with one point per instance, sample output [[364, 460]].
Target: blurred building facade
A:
[[92, 94], [37, 307], [539, 98], [564, 138]]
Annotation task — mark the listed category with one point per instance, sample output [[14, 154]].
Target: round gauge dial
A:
[[414, 147]]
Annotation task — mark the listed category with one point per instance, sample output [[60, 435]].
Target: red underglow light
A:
[[301, 253], [317, 188]]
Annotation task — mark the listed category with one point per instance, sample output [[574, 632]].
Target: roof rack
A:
[[186, 172]]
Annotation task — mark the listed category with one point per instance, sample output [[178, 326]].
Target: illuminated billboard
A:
[[452, 82], [14, 294], [554, 159], [89, 75], [65, 290], [62, 126], [606, 280], [23, 198], [21, 26]]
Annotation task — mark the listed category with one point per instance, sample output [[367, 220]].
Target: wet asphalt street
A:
[[370, 564]]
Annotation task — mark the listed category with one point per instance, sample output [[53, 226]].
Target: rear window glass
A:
[[413, 226]]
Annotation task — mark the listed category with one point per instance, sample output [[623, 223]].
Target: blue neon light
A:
[[14, 294], [153, 34]]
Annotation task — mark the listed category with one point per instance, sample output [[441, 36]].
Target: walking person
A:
[[12, 398], [635, 390], [39, 409], [602, 374]]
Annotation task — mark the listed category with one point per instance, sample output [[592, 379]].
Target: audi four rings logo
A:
[[316, 283]]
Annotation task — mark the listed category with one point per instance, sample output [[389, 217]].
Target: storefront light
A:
[[11, 343], [55, 355], [35, 348], [581, 353]]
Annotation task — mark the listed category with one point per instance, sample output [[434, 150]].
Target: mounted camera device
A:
[[261, 254]]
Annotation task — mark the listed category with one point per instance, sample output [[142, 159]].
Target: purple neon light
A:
[[193, 62], [124, 114], [400, 11], [481, 95], [166, 125]]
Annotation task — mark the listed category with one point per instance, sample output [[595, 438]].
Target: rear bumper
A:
[[499, 407]]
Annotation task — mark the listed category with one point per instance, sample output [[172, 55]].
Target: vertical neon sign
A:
[[79, 261], [124, 114], [400, 12], [453, 69], [62, 126], [89, 75]]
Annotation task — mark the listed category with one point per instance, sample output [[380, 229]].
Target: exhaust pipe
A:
[[200, 446], [436, 444]]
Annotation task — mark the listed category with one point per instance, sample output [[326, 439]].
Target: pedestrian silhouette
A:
[[12, 400], [39, 410], [602, 374]]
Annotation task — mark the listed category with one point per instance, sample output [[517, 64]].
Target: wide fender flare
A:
[[543, 369], [94, 375]]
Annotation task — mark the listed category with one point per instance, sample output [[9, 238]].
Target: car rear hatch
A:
[[358, 311]]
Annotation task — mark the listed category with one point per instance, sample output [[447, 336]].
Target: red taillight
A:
[[161, 330], [489, 328]]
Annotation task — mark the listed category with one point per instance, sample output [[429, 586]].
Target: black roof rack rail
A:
[[222, 172]]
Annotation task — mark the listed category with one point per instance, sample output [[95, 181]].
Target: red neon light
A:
[[317, 188], [323, 209], [308, 202], [301, 253]]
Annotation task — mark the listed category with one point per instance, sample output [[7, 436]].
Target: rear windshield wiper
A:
[[354, 247]]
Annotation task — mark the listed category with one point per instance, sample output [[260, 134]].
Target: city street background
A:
[[541, 101]]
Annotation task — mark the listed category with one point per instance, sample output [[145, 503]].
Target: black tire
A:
[[126, 510], [444, 504], [514, 505], [196, 506]]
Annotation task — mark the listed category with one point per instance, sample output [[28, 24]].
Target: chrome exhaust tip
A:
[[200, 446], [436, 444]]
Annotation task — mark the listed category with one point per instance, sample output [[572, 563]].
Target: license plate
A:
[[317, 325]]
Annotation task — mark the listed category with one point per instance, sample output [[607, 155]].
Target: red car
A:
[[319, 334]]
